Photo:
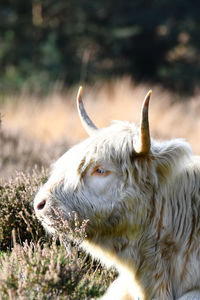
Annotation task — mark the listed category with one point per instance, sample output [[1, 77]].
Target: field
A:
[[34, 132]]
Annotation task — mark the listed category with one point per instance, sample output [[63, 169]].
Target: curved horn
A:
[[145, 141], [85, 120]]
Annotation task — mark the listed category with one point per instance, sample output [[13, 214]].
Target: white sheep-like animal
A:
[[142, 199]]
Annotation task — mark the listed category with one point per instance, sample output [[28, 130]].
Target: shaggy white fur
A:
[[143, 211]]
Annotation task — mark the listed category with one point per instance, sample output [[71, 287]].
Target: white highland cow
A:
[[142, 199]]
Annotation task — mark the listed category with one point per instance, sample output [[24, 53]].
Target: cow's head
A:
[[103, 178]]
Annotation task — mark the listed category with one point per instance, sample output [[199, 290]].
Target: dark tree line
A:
[[70, 40]]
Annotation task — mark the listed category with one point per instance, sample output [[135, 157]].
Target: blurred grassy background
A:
[[36, 131], [54, 119]]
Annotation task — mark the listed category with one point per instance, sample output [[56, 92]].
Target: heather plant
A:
[[52, 271], [16, 212]]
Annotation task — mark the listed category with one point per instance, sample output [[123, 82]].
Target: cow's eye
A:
[[100, 171]]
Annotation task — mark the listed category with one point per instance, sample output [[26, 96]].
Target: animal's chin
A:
[[54, 224], [50, 229], [47, 223]]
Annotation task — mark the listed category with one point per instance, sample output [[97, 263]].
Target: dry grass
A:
[[55, 118]]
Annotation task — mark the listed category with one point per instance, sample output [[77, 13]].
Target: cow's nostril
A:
[[42, 204]]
